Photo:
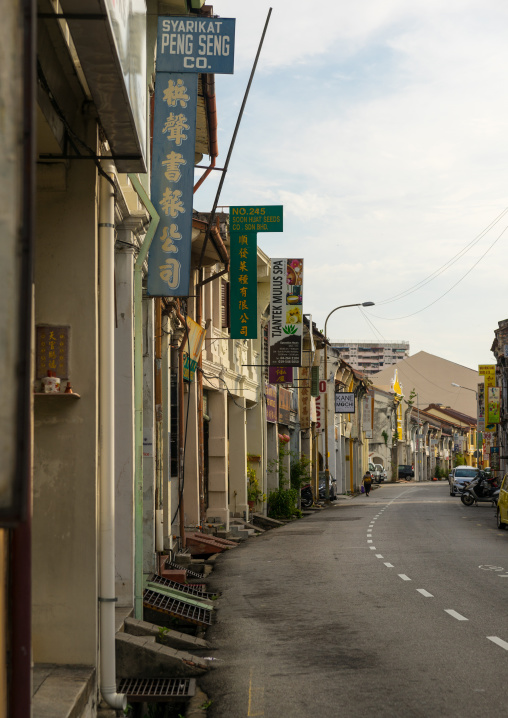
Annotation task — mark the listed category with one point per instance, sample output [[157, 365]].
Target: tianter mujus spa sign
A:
[[286, 318]]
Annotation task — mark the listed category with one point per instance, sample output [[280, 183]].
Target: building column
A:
[[217, 458], [191, 467], [237, 424], [124, 422]]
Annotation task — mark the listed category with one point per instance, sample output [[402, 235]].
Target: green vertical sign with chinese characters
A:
[[244, 224]]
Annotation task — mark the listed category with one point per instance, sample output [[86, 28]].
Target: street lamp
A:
[[327, 465], [477, 435]]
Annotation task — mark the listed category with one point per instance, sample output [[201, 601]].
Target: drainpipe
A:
[[181, 425], [138, 395], [107, 597], [211, 112]]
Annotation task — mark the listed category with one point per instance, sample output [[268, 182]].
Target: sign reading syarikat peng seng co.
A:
[[196, 44], [286, 318]]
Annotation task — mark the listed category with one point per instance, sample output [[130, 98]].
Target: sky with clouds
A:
[[381, 127]]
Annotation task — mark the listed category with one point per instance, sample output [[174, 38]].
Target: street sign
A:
[[345, 402], [196, 44]]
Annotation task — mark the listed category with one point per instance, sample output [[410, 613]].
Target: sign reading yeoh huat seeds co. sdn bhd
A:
[[286, 317], [244, 224]]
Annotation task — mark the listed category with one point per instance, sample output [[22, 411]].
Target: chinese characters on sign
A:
[[489, 372], [185, 47], [480, 411], [286, 317], [284, 406], [271, 404], [52, 351], [174, 131], [280, 375], [244, 224]]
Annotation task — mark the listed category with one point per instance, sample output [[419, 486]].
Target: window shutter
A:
[[224, 288]]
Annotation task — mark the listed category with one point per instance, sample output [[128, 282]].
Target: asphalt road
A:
[[382, 606]]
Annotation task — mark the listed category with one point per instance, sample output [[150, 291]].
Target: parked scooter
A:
[[307, 499], [480, 490]]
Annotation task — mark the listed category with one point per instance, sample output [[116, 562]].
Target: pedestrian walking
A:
[[367, 482]]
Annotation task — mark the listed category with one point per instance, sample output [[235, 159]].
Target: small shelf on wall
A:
[[60, 394]]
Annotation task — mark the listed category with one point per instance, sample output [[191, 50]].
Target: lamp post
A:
[[327, 465], [477, 435]]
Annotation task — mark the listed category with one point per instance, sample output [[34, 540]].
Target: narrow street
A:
[[391, 605]]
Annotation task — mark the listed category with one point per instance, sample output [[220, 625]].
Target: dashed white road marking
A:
[[378, 555], [389, 565], [404, 577], [424, 593], [369, 540], [499, 642], [456, 615], [372, 548]]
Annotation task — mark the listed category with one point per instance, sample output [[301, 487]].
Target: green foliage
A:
[[411, 399], [254, 492], [439, 473], [206, 705], [162, 633], [459, 460], [300, 470], [384, 434], [282, 503]]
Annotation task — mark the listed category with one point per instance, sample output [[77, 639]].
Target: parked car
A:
[[332, 484], [460, 477], [502, 505], [406, 471], [380, 474]]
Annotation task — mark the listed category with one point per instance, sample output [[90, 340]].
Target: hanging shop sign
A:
[[286, 317], [174, 140], [244, 224], [480, 407], [192, 349], [493, 405], [280, 374], [488, 371], [271, 404], [495, 455], [183, 51], [196, 44], [345, 402], [284, 406]]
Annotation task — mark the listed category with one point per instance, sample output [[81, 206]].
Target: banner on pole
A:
[[286, 317]]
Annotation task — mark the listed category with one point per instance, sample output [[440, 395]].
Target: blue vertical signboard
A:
[[185, 47]]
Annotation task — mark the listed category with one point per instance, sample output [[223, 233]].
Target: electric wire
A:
[[371, 325], [406, 316], [447, 264]]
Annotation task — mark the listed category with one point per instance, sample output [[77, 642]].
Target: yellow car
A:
[[502, 505]]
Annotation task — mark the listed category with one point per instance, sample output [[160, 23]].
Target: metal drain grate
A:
[[157, 689], [172, 564], [182, 587], [177, 608]]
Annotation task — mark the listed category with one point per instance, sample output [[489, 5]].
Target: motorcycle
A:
[[307, 499], [480, 490]]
